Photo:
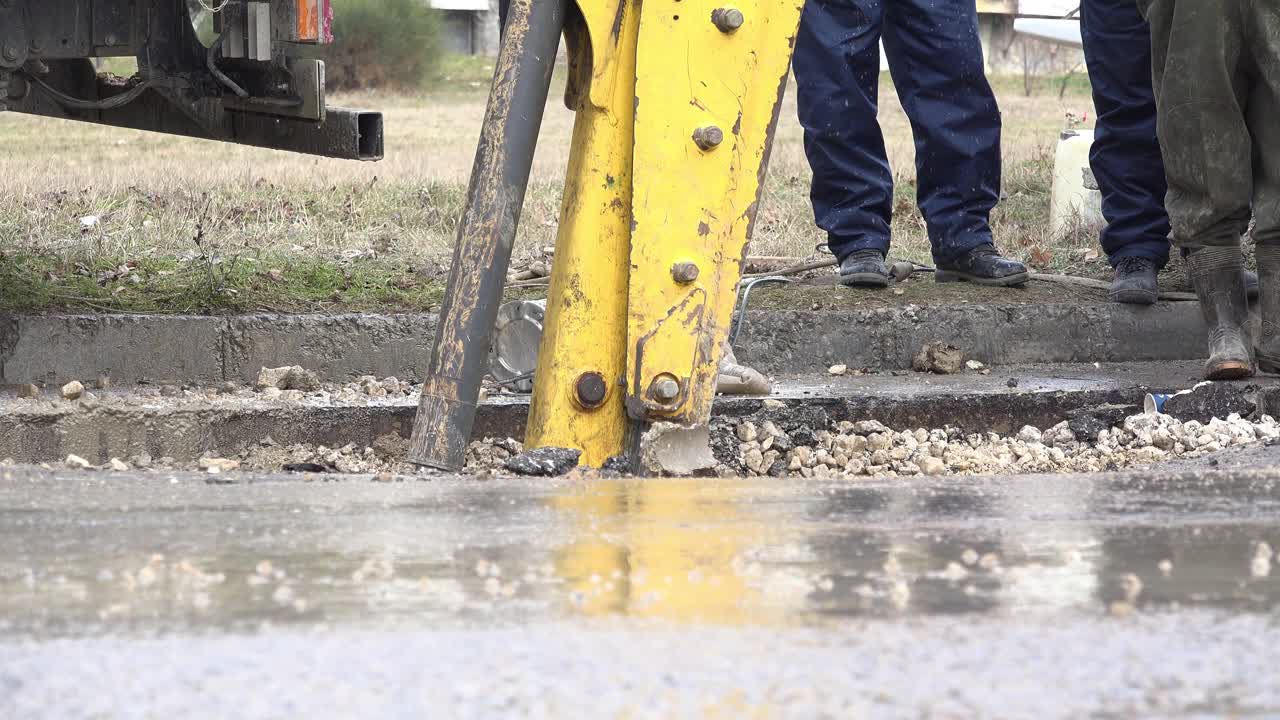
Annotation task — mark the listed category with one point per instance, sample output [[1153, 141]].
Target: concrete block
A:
[[336, 348], [55, 349], [797, 342]]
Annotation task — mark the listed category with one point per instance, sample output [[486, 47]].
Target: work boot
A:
[[984, 266], [1250, 281], [1219, 283], [864, 268], [1135, 281], [1268, 343]]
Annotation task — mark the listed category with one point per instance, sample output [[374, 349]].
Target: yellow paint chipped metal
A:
[[695, 200], [668, 158], [585, 325]]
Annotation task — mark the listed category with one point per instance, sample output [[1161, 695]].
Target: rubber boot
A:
[[1268, 343], [1215, 273]]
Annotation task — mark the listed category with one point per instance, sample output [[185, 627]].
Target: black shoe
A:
[[1135, 281], [984, 266], [864, 268]]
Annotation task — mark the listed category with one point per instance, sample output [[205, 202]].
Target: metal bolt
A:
[[684, 272], [665, 388], [591, 390], [727, 20], [708, 137]]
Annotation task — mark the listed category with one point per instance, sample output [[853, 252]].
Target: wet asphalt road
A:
[[1137, 595]]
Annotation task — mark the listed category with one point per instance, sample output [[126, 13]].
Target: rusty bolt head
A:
[[727, 20], [708, 137], [684, 272], [665, 388], [591, 390]]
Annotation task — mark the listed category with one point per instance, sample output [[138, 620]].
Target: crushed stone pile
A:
[[868, 448], [849, 449], [775, 441]]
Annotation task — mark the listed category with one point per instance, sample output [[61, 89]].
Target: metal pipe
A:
[[742, 305], [459, 358]]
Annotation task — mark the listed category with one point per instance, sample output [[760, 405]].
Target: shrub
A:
[[382, 44]]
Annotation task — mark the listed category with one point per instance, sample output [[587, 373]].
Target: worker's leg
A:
[[1125, 157], [935, 56], [1200, 86], [1263, 120], [837, 68], [1126, 153]]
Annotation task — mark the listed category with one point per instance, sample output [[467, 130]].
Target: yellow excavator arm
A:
[[676, 103]]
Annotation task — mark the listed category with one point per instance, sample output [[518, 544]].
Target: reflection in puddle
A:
[[679, 551], [698, 551]]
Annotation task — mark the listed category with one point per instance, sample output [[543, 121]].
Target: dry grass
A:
[[150, 192]]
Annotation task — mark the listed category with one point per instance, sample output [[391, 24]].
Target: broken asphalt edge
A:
[[47, 433], [178, 349]]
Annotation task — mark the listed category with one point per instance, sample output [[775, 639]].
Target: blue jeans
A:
[[935, 58], [1125, 158]]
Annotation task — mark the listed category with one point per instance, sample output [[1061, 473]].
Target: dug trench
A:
[[1021, 418]]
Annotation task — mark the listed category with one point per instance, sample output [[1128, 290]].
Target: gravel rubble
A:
[[776, 441], [279, 386], [868, 448], [846, 449]]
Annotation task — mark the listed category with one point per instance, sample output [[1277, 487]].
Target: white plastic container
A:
[[1075, 200]]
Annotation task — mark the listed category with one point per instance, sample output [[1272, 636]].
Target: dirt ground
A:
[[109, 218]]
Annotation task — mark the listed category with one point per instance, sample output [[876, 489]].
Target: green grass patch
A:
[[211, 284], [1067, 85], [464, 73], [410, 221]]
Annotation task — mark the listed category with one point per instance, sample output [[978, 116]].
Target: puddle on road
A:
[[717, 552]]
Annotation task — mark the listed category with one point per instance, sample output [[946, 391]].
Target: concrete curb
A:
[[133, 349], [41, 431], [887, 339]]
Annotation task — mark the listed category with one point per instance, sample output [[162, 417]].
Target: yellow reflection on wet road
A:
[[677, 550]]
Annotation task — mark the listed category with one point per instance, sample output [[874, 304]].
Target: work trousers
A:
[[1217, 83], [1125, 156], [935, 58]]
